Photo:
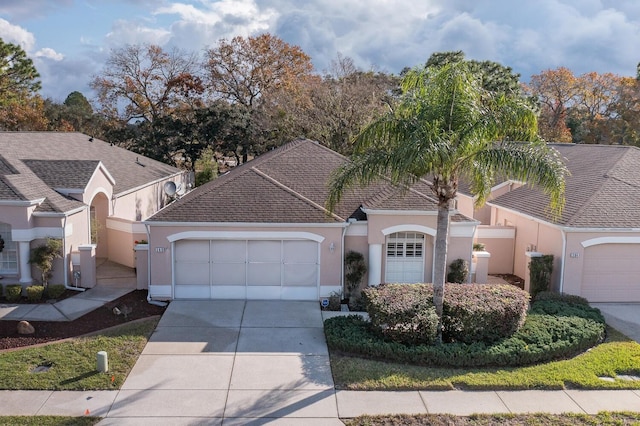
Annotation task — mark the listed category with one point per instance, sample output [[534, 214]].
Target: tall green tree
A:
[[444, 128], [18, 75]]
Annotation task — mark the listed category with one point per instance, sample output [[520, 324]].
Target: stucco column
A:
[[375, 264], [482, 266], [87, 265], [142, 266], [24, 247], [527, 277]]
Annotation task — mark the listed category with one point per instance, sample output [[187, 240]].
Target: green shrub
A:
[[54, 291], [13, 292], [482, 312], [540, 270], [471, 312], [35, 292], [543, 338], [458, 271], [402, 312], [354, 269], [563, 297], [560, 308]]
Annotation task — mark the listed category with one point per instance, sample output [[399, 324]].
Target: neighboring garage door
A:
[[611, 273], [251, 269]]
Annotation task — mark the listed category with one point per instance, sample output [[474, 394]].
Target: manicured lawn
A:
[[73, 363], [604, 418], [48, 421], [617, 355]]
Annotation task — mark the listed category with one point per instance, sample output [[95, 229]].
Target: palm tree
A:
[[446, 127]]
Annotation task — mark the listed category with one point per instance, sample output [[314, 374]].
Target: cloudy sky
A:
[[69, 40]]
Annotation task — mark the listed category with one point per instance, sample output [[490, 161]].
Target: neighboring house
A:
[[74, 187], [261, 231], [596, 241]]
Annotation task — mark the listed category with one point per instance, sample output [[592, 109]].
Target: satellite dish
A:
[[170, 188]]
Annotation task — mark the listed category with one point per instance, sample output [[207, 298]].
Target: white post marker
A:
[[103, 362]]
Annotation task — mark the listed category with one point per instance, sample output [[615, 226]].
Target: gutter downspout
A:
[[152, 302], [342, 252], [564, 258], [65, 264]]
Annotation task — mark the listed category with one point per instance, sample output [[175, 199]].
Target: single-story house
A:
[[261, 231], [88, 193], [596, 241]]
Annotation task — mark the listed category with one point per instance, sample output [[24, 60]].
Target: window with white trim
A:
[[9, 255], [405, 245]]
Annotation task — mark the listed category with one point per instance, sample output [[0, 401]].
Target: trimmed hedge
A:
[[13, 292], [471, 313], [402, 312], [54, 291], [543, 338], [35, 292]]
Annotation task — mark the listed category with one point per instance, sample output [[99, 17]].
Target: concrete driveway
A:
[[624, 317], [233, 361]]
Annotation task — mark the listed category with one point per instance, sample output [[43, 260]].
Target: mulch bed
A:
[[101, 318]]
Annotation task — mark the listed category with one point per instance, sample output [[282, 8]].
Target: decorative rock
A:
[[25, 328]]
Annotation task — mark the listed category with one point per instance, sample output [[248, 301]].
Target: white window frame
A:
[[9, 255]]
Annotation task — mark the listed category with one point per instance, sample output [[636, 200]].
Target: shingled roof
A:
[[32, 164], [603, 190], [286, 185]]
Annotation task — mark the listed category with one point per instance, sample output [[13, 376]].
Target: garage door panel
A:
[[611, 273], [300, 252], [192, 251], [228, 274], [300, 275], [192, 273], [227, 251], [265, 251], [264, 274]]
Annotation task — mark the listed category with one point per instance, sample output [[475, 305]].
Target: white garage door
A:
[[611, 273], [251, 269]]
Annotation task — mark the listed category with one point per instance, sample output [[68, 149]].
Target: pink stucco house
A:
[[261, 231], [596, 241], [88, 193]]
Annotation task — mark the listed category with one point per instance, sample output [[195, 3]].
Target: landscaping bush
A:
[[13, 292], [402, 312], [458, 271], [543, 338], [482, 312], [540, 270], [35, 292], [471, 312], [563, 297], [560, 308], [54, 291]]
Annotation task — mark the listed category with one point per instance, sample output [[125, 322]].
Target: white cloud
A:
[[15, 34], [129, 32], [49, 53]]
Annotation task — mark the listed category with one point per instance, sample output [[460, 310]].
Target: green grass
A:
[[617, 355], [73, 363], [48, 421], [604, 418]]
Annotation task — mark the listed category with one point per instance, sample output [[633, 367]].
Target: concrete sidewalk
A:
[[68, 309], [321, 407], [257, 362]]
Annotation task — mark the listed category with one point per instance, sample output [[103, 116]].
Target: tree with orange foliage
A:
[[555, 91], [246, 70]]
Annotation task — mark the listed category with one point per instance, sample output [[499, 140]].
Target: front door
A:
[[405, 257]]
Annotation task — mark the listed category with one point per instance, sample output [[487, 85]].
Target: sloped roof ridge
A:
[[390, 190], [597, 193], [296, 194]]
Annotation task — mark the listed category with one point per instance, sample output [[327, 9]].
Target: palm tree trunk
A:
[[440, 262]]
